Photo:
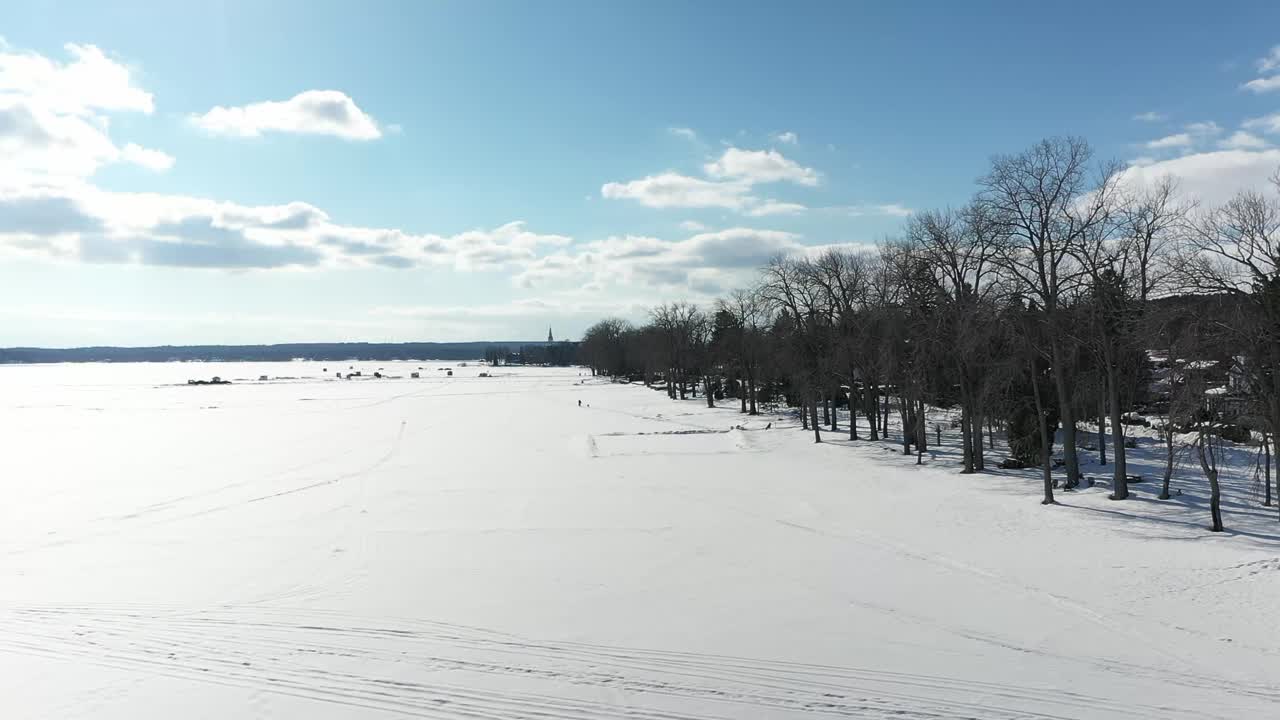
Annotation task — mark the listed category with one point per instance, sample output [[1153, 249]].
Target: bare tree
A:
[[1044, 201], [841, 276], [603, 347], [1112, 313], [676, 323], [1151, 219], [1234, 251], [961, 248], [785, 286], [1209, 451], [750, 313]]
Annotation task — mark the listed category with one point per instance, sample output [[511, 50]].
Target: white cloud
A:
[[692, 226], [1262, 85], [1194, 133], [773, 207], [53, 121], [760, 166], [1204, 128], [1150, 116], [90, 82], [890, 209], [316, 112], [704, 264], [738, 247], [683, 132], [146, 157], [93, 225], [671, 189], [505, 246], [1267, 123], [1143, 161], [54, 137], [1213, 177], [788, 138], [1171, 141], [1271, 61], [1241, 140], [41, 145], [732, 177]]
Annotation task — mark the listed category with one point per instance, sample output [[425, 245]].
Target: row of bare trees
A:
[[1037, 308]]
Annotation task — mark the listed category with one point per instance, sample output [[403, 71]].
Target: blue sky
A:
[[265, 172]]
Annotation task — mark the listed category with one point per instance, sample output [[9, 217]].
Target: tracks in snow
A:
[[439, 670]]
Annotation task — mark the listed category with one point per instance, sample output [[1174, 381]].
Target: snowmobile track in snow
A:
[[337, 658]]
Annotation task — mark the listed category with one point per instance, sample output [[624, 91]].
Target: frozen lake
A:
[[468, 547]]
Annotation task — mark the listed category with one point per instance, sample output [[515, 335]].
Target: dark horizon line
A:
[[353, 343], [284, 352]]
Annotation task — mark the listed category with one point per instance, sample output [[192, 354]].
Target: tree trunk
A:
[[1215, 501], [1266, 479], [813, 419], [922, 427], [706, 390], [1067, 415], [751, 390], [979, 460], [904, 414], [835, 410], [975, 443], [1121, 480], [853, 412], [991, 433], [1044, 440], [1168, 457], [1102, 429], [921, 435], [884, 419], [1275, 443], [804, 413], [1209, 463], [873, 413], [826, 410], [966, 437]]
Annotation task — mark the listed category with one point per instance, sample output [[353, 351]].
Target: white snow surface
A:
[[470, 547]]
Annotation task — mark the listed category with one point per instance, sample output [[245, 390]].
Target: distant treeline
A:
[[561, 354], [260, 353]]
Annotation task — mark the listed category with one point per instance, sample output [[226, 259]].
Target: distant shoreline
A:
[[283, 352]]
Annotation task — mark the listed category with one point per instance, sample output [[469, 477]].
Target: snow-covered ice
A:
[[467, 547]]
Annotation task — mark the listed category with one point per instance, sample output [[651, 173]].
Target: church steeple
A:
[[549, 337]]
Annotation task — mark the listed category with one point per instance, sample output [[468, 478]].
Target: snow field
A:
[[463, 547]]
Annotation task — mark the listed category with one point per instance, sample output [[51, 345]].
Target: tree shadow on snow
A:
[[1187, 509]]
